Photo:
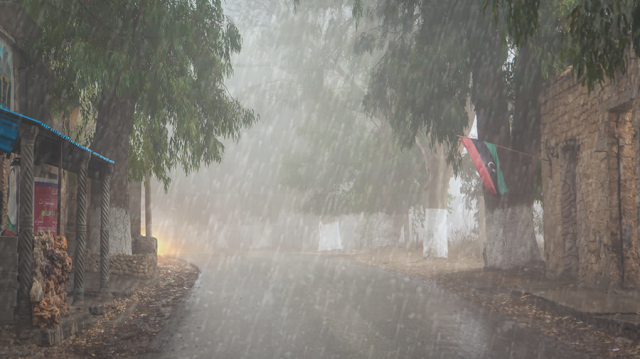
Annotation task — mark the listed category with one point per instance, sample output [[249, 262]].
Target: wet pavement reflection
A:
[[268, 305]]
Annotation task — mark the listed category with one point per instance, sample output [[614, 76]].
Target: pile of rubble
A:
[[51, 270]]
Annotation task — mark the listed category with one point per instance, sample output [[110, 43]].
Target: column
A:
[[104, 229], [135, 209], [147, 206], [81, 231], [28, 135]]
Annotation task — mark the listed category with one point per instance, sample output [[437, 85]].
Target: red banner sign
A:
[[45, 205]]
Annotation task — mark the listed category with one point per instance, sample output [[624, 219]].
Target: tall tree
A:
[[153, 73], [596, 34], [349, 163], [432, 48]]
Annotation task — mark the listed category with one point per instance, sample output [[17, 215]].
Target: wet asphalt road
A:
[[266, 305]]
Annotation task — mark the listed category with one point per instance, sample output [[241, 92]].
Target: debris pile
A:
[[51, 270]]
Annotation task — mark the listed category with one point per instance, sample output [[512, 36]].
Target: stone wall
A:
[[589, 180], [136, 265], [329, 235]]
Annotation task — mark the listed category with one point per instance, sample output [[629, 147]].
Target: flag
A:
[[485, 158]]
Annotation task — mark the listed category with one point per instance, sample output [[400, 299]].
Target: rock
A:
[[36, 292], [96, 310], [15, 352], [145, 245]]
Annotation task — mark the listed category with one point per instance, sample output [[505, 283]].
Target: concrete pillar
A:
[[147, 206], [104, 229], [135, 208], [408, 230], [81, 231], [28, 135]]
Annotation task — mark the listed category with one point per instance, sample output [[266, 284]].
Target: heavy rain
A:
[[319, 179]]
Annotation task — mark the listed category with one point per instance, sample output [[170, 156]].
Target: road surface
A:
[[266, 305]]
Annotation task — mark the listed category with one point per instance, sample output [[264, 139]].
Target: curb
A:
[[164, 335], [69, 326], [601, 320]]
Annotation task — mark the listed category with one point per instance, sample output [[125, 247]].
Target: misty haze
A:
[[319, 179]]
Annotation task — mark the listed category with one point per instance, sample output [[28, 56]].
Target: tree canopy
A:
[[168, 58], [597, 34], [421, 84], [346, 162]]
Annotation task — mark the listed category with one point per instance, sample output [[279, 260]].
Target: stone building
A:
[[590, 180]]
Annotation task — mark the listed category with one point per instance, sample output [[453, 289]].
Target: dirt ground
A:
[[463, 274], [130, 324]]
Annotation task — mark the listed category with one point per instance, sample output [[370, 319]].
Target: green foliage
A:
[[421, 83], [598, 40], [471, 186], [548, 42], [597, 34], [521, 18], [344, 169], [346, 161], [170, 57]]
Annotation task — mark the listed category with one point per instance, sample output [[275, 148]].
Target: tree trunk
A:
[[434, 234], [111, 139], [524, 170], [408, 231], [510, 235], [148, 218], [71, 213], [482, 230], [135, 209], [329, 233]]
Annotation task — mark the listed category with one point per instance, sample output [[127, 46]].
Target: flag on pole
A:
[[485, 158]]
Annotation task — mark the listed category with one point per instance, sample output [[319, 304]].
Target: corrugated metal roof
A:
[[9, 133]]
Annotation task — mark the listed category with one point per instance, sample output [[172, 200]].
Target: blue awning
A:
[[50, 145], [9, 123]]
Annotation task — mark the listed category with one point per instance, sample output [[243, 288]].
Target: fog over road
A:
[[268, 305]]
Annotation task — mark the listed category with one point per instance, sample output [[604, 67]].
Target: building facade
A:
[[591, 179]]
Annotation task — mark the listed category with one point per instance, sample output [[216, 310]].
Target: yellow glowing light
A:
[[165, 245]]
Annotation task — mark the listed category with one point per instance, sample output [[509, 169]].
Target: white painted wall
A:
[[434, 233], [329, 236]]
